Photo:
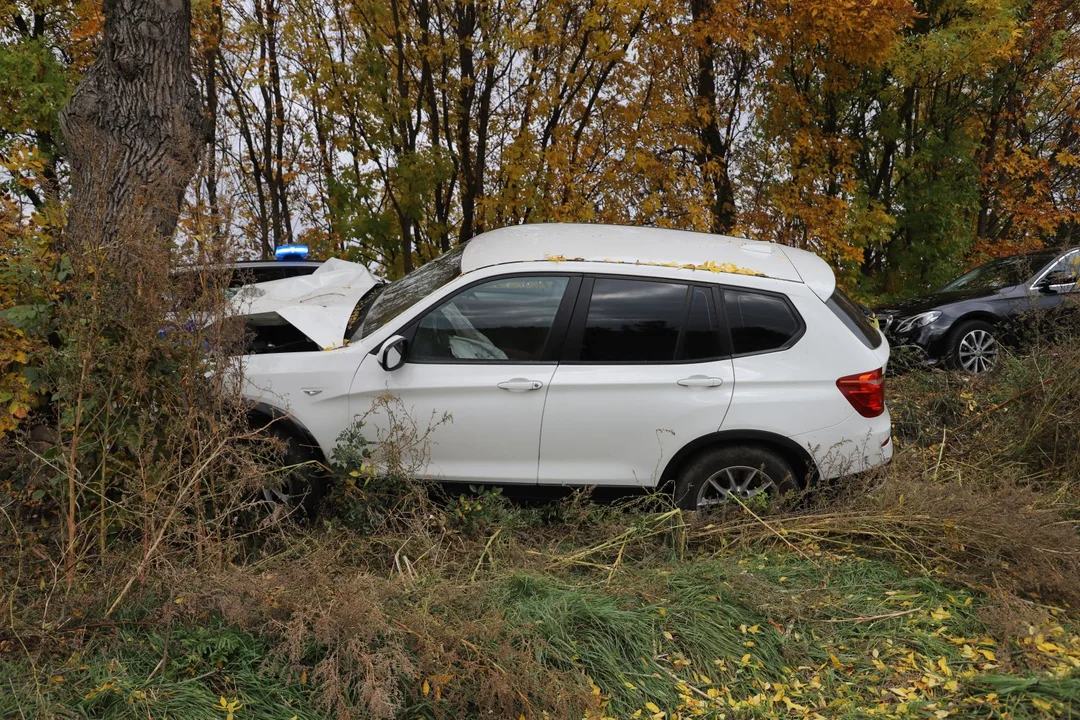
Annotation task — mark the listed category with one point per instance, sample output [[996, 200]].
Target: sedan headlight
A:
[[917, 321]]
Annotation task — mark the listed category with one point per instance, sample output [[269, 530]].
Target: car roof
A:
[[276, 263], [569, 242], [241, 264]]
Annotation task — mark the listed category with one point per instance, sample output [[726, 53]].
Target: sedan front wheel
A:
[[974, 347]]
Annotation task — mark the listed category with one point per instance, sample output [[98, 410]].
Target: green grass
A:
[[755, 635], [123, 676]]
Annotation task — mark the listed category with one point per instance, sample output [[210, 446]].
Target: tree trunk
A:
[[134, 128], [712, 153]]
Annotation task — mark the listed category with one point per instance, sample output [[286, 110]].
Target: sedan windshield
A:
[[409, 290], [1002, 273]]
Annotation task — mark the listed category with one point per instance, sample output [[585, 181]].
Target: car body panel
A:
[[472, 430], [311, 386], [611, 424]]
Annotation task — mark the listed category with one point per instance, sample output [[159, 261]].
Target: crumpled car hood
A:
[[318, 305]]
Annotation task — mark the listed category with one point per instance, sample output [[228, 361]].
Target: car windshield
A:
[[406, 292], [1002, 273]]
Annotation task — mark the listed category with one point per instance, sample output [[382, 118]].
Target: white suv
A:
[[596, 355]]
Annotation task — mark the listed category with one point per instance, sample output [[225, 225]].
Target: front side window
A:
[[759, 322], [402, 294], [506, 319], [1001, 273], [1065, 274]]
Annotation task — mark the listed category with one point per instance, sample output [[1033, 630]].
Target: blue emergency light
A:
[[291, 251]]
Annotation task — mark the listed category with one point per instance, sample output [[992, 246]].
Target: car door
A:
[[644, 371], [468, 402]]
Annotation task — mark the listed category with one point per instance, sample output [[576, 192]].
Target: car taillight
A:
[[865, 391]]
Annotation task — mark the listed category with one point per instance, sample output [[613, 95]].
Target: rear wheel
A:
[[974, 347], [717, 475]]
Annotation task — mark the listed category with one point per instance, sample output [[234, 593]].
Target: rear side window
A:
[[633, 321], [760, 322], [854, 318]]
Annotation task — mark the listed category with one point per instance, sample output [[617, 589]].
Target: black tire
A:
[[302, 480], [974, 347], [734, 464]]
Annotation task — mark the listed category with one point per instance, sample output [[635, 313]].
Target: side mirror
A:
[[1056, 279], [392, 353]]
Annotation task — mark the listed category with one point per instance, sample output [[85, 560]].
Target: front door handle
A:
[[520, 385], [701, 381]]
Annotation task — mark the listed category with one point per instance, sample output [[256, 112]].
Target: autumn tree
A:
[[134, 127]]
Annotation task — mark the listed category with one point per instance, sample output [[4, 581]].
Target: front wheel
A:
[[974, 347], [299, 489], [718, 475]]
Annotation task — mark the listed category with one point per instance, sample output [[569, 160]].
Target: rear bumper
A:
[[856, 445]]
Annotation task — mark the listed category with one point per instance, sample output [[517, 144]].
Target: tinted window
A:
[[1001, 273], [701, 339], [633, 320], [854, 318], [505, 319], [759, 322], [248, 275]]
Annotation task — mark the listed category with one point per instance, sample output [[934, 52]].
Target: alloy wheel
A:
[[978, 351], [737, 481]]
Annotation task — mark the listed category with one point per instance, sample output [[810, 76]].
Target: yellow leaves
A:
[[1066, 159], [434, 684], [229, 707], [103, 688], [706, 266], [941, 614]]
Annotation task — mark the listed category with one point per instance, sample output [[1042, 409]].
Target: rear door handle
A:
[[520, 385], [701, 381]]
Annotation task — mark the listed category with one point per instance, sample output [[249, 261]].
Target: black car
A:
[[246, 272], [965, 324], [290, 261]]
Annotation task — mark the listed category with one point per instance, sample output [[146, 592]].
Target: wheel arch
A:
[[262, 415], [972, 315], [802, 462]]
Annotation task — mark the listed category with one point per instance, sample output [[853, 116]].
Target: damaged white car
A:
[[585, 355]]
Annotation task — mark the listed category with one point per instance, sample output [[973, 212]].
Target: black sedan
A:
[[964, 324]]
